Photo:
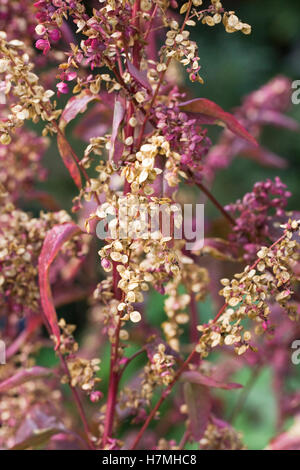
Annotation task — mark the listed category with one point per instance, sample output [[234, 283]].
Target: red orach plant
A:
[[148, 144]]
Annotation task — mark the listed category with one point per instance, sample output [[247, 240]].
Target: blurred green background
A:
[[233, 65]]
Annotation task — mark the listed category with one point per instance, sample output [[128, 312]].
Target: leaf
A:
[[67, 441], [264, 157], [196, 377], [119, 112], [66, 154], [24, 376], [96, 122], [202, 108], [77, 104], [53, 242], [277, 119], [44, 198], [139, 76], [199, 404], [37, 428]]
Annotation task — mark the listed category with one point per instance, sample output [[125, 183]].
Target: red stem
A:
[[184, 439], [78, 402], [111, 400], [75, 394], [253, 266], [164, 395], [161, 78], [115, 374], [216, 203], [194, 319]]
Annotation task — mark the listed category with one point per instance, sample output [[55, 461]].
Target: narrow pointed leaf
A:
[[139, 76], [196, 377], [24, 376], [53, 242], [203, 108], [77, 104], [66, 155], [277, 119], [37, 428], [264, 157], [198, 400], [119, 112]]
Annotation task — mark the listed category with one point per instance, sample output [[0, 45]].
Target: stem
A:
[[219, 313], [75, 394], [18, 342], [78, 402], [194, 319], [114, 376], [150, 22], [161, 78], [131, 358], [115, 373], [184, 439], [164, 395], [111, 401], [216, 203]]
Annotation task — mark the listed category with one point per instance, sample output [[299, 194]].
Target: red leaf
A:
[[44, 198], [264, 157], [196, 377], [202, 108], [66, 154], [96, 121], [77, 104], [199, 405], [139, 75], [24, 376], [37, 428], [277, 119], [53, 242], [119, 112]]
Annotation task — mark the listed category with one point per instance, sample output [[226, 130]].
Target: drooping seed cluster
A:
[[81, 371], [27, 97], [249, 293]]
